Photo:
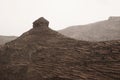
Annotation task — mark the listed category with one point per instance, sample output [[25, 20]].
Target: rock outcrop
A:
[[41, 23], [44, 54]]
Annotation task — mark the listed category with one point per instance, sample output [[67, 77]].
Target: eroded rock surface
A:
[[44, 54]]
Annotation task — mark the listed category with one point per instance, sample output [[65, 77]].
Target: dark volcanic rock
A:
[[44, 54]]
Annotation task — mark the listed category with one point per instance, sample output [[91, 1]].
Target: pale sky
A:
[[16, 16]]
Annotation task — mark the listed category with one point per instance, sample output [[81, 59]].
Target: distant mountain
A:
[[44, 54], [99, 31], [5, 39]]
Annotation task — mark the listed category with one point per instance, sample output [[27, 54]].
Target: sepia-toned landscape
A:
[[105, 30], [44, 54]]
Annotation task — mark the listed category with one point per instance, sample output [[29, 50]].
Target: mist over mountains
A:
[[99, 31], [4, 39], [44, 54]]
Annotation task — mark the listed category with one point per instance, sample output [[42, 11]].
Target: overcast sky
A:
[[16, 16]]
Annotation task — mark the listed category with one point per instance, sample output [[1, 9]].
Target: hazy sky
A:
[[16, 16]]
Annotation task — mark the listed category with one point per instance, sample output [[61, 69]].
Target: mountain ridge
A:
[[99, 31], [4, 39], [44, 54]]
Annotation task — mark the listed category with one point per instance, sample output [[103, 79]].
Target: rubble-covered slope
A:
[[44, 54]]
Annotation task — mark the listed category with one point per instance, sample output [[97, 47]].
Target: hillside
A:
[[99, 31], [44, 54], [4, 39]]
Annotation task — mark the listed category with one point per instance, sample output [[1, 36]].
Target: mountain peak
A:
[[44, 54], [41, 23]]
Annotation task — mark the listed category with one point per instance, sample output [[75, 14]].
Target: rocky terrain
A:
[[4, 39], [99, 31], [44, 54]]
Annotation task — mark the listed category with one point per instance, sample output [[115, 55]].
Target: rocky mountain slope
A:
[[4, 39], [99, 31], [44, 54]]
